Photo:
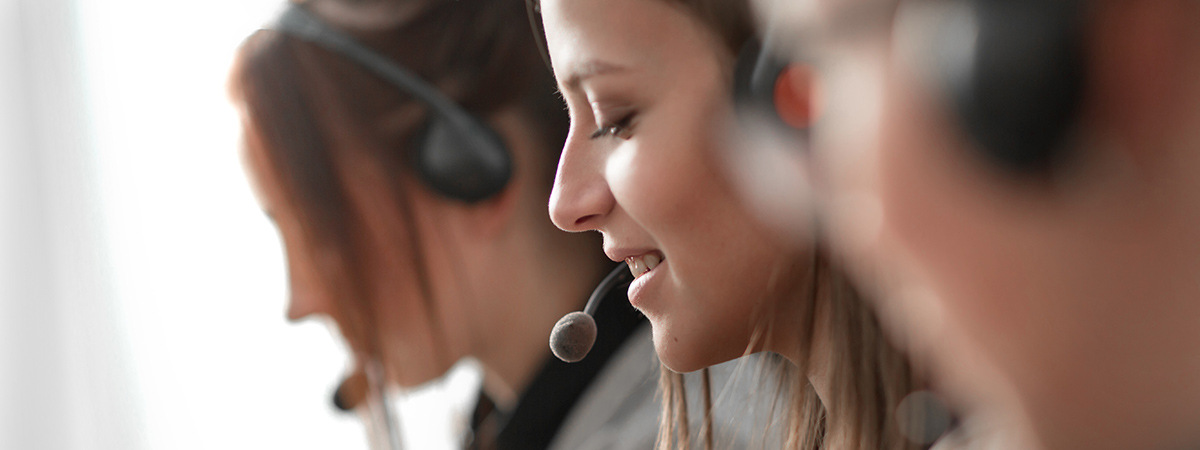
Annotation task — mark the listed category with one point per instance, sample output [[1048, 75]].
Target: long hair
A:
[[305, 109], [869, 376]]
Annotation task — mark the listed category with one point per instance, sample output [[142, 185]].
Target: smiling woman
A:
[[643, 165], [672, 103], [358, 137]]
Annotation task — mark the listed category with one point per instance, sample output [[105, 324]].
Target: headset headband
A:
[[459, 155], [299, 22]]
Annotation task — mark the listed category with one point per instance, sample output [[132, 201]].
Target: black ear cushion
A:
[[754, 75], [467, 162], [457, 155], [1018, 92], [749, 87]]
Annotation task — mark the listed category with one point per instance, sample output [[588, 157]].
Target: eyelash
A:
[[619, 128]]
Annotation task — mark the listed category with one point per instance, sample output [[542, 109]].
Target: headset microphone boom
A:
[[575, 333]]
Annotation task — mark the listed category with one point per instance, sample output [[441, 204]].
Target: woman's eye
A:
[[620, 128]]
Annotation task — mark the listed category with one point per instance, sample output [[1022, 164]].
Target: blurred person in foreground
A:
[[1017, 180], [419, 258]]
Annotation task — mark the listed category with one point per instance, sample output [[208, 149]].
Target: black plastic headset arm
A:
[[299, 22]]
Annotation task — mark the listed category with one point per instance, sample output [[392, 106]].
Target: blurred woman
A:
[[419, 258], [649, 86], [1028, 171]]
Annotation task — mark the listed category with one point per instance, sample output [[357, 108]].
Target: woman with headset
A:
[[405, 150], [649, 86], [1029, 168]]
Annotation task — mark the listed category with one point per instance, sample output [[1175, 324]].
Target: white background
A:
[[141, 290]]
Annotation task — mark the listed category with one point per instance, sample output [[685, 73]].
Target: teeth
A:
[[639, 265], [651, 261], [636, 266]]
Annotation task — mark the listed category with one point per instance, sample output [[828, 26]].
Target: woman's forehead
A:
[[590, 37]]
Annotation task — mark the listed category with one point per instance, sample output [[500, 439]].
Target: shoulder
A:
[[744, 403], [620, 409]]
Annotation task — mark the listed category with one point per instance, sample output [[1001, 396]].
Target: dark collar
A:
[[556, 388]]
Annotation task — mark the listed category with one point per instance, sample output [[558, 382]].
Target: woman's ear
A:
[[797, 96]]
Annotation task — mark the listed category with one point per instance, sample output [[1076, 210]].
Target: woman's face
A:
[[999, 282], [648, 89], [417, 344]]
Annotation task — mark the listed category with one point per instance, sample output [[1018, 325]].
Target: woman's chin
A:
[[415, 376], [679, 355], [415, 382]]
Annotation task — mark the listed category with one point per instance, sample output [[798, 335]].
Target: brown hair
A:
[[869, 377], [305, 108]]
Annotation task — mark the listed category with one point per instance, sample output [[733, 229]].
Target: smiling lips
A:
[[639, 265]]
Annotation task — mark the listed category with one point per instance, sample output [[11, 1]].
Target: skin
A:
[[1054, 307], [656, 184], [496, 269]]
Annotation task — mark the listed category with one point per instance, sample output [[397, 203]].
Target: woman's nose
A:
[[581, 198], [302, 303]]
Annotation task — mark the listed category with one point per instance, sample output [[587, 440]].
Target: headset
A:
[[1012, 72], [762, 94], [456, 154]]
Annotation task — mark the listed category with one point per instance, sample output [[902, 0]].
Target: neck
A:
[[808, 349], [812, 353]]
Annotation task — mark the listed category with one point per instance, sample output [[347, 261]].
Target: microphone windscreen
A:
[[351, 392], [573, 336]]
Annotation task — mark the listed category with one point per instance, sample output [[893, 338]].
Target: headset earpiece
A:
[[1018, 85], [756, 78], [772, 89], [457, 155], [468, 163]]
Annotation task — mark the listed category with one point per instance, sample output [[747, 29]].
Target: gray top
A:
[[620, 410]]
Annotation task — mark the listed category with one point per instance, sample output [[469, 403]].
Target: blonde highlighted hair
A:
[[869, 377]]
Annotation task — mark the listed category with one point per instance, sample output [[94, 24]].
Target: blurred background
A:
[[142, 291]]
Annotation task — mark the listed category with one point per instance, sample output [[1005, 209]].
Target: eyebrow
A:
[[589, 69]]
